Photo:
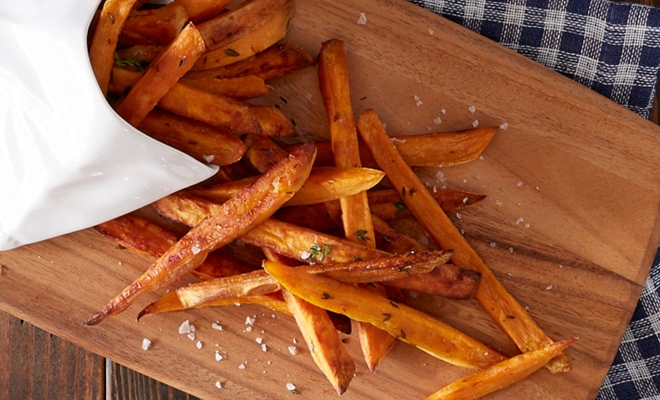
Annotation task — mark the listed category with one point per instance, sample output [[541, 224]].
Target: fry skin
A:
[[233, 218], [407, 324], [493, 297], [155, 27]]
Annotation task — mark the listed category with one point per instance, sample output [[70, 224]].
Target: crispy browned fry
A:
[[407, 324], [426, 150], [393, 241], [233, 25], [273, 122], [260, 39], [314, 217], [201, 10], [326, 348], [137, 57], [324, 184], [262, 152], [204, 142], [242, 87], [387, 204], [157, 26], [159, 78], [212, 109], [231, 220], [501, 375], [271, 63], [104, 40], [450, 281], [493, 297]]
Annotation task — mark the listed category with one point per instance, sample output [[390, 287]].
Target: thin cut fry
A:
[[501, 375], [241, 88], [324, 184], [201, 10], [274, 30], [235, 217], [273, 122], [492, 296], [387, 204], [262, 152], [157, 26], [105, 37], [407, 324], [162, 75]]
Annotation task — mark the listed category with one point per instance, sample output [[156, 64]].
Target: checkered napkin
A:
[[614, 49]]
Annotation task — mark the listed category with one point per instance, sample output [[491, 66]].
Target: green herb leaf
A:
[[231, 53], [400, 207], [133, 63], [362, 234]]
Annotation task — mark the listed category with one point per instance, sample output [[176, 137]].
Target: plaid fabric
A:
[[614, 49]]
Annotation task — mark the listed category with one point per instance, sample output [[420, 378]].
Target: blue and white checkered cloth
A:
[[614, 49]]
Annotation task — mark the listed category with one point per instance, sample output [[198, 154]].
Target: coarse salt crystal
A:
[[519, 184], [295, 341], [191, 336], [209, 158], [145, 344], [218, 385], [195, 250], [198, 344], [519, 221], [293, 350], [458, 215], [184, 327], [259, 340], [418, 103], [216, 326], [504, 126], [493, 244], [549, 287], [472, 109], [440, 176], [249, 320], [527, 225], [416, 97], [430, 31], [437, 121], [264, 348], [242, 366], [290, 387], [465, 200], [305, 255], [362, 20], [248, 329], [218, 356], [498, 203], [510, 249], [475, 123]]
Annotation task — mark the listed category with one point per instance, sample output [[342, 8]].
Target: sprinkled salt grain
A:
[[510, 249], [290, 387], [430, 31], [465, 200], [418, 103], [237, 304], [519, 221], [509, 273], [498, 203], [458, 215], [472, 109], [416, 97], [493, 244], [305, 255], [191, 336], [249, 320], [475, 123], [209, 158], [440, 176], [435, 189], [195, 250], [308, 96], [218, 385], [293, 350], [504, 126], [526, 308], [561, 266], [549, 287], [145, 344], [242, 366], [295, 341], [184, 327], [198, 344], [464, 180], [519, 184], [362, 20], [527, 225], [437, 120], [218, 356], [537, 188], [259, 340], [248, 329], [216, 326], [264, 348]]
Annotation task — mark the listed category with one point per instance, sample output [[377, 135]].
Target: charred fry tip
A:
[[95, 318]]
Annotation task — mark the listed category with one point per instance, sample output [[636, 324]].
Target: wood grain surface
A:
[[570, 225]]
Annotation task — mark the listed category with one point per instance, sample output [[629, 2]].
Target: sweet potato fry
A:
[[260, 39], [390, 240], [387, 204], [137, 57], [104, 40], [201, 10], [324, 184], [233, 25], [235, 217], [493, 297], [325, 346], [407, 324], [274, 62], [314, 217], [157, 26], [204, 142], [241, 88], [273, 122], [161, 76], [262, 152], [501, 375]]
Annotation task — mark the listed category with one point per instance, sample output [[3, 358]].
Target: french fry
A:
[[233, 25], [201, 10], [204, 142], [501, 375], [393, 241], [241, 88], [273, 122], [105, 37], [274, 62], [274, 30], [161, 76], [324, 184], [406, 323], [493, 297], [426, 150], [157, 26], [326, 348], [262, 152], [314, 217], [387, 204], [137, 57], [234, 217]]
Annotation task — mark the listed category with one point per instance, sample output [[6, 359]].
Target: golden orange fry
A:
[[158, 26]]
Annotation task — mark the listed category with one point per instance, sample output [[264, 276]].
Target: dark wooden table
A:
[[35, 364]]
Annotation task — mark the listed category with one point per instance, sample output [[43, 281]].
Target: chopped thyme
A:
[[326, 296], [362, 234], [400, 207], [133, 62], [387, 316], [231, 53]]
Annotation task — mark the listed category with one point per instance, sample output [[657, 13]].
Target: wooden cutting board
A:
[[570, 224]]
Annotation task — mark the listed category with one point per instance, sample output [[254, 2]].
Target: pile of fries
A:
[[313, 219]]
